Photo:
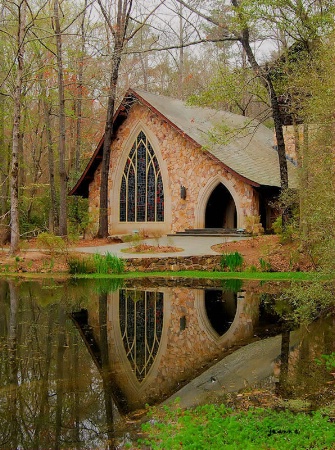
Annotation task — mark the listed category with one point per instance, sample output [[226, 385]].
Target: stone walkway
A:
[[191, 245]]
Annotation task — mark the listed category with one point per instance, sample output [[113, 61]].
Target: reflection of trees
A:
[[60, 376], [300, 376], [51, 394], [13, 363], [105, 369]]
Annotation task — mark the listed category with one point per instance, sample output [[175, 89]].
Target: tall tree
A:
[[62, 126], [122, 34], [14, 173], [118, 31], [239, 21]]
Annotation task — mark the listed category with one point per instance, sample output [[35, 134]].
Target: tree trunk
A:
[[62, 129], [267, 82], [14, 171], [3, 162], [53, 218], [79, 101], [119, 34], [103, 212], [106, 370]]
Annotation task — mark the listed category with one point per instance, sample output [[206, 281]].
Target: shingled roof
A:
[[247, 150]]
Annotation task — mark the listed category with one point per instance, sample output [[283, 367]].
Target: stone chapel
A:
[[176, 167]]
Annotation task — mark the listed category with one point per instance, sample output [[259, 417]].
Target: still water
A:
[[77, 358]]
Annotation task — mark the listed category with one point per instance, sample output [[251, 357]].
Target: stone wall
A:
[[173, 263], [182, 163]]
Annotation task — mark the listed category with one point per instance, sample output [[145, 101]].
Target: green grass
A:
[[257, 276], [97, 264], [217, 427]]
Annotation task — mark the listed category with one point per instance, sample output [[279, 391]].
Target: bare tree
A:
[[62, 127], [119, 31], [14, 172]]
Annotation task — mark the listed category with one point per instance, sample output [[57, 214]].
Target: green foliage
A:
[[50, 242], [78, 217], [306, 302], [80, 264], [265, 265], [108, 263], [233, 89], [327, 360], [251, 269], [218, 427], [233, 285], [277, 225], [102, 264], [231, 261], [33, 212]]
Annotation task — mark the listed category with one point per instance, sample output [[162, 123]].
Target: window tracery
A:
[[142, 193]]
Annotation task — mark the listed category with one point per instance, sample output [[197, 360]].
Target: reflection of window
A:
[[221, 309], [141, 323], [142, 194]]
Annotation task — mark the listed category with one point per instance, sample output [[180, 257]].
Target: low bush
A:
[[103, 264], [231, 261], [328, 360], [52, 243], [108, 263], [80, 265]]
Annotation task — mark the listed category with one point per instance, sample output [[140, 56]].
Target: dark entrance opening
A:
[[220, 209]]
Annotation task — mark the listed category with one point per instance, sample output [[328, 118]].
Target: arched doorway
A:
[[220, 209]]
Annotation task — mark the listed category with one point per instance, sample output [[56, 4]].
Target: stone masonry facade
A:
[[182, 163]]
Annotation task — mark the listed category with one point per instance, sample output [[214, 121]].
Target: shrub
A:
[[277, 225], [231, 261], [108, 263], [253, 225], [96, 263], [78, 216], [80, 264], [51, 242]]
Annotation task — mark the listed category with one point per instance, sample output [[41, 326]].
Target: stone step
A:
[[212, 232]]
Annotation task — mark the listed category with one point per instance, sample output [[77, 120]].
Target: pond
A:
[[80, 360]]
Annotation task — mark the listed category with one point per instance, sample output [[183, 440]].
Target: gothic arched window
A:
[[142, 193]]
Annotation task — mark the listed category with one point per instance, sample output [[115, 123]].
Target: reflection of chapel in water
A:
[[141, 324], [159, 338]]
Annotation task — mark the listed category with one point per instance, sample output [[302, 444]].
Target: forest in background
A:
[[66, 65]]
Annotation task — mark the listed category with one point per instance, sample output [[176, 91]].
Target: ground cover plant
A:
[[217, 427], [99, 264], [231, 261]]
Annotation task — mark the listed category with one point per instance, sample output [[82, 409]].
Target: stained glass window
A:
[[141, 193], [141, 324]]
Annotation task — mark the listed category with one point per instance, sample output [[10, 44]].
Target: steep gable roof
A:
[[247, 151]]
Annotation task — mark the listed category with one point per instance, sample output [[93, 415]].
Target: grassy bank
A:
[[257, 276]]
